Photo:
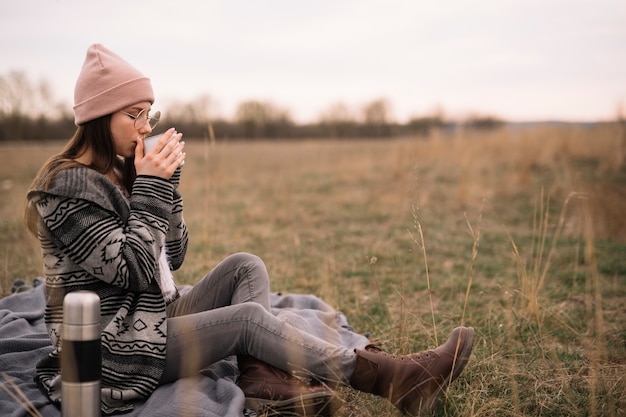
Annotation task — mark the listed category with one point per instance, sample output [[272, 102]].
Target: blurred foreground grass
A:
[[520, 234]]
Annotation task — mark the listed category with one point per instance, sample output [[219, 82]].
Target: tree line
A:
[[29, 111]]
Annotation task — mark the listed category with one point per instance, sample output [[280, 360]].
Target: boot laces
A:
[[376, 347]]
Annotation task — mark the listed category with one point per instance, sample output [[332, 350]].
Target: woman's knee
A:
[[252, 265], [249, 312], [246, 258]]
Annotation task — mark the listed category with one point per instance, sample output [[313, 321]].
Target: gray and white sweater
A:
[[93, 238]]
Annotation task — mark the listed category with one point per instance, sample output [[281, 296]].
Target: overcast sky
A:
[[521, 60]]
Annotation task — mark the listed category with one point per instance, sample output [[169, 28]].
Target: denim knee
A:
[[253, 264], [250, 312]]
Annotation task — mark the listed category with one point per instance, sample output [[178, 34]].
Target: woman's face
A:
[[123, 129]]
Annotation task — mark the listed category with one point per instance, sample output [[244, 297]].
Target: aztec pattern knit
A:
[[93, 238]]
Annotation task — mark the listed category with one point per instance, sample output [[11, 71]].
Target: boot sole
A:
[[462, 357], [302, 406]]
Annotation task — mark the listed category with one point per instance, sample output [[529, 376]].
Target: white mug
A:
[[150, 141]]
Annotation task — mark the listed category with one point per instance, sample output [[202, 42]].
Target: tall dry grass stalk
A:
[[533, 277], [18, 395], [596, 339], [421, 244], [475, 233]]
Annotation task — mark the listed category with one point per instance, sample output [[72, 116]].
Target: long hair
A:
[[96, 136]]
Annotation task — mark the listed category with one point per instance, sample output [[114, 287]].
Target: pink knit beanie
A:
[[107, 84]]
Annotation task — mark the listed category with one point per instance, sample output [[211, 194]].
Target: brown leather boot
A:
[[413, 382], [277, 393]]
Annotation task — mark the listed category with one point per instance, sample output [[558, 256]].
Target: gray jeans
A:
[[228, 313]]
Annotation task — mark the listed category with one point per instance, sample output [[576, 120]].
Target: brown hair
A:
[[96, 136]]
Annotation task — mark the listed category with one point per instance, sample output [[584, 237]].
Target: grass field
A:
[[520, 234]]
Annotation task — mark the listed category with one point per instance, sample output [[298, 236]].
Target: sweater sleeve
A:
[[122, 253], [177, 236]]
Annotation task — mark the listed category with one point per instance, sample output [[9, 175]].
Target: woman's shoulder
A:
[[79, 183]]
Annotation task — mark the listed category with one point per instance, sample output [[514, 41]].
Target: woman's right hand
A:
[[163, 159]]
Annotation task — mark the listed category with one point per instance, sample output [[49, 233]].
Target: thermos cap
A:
[[81, 308]]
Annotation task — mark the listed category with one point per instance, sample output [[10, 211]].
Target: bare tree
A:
[[338, 119], [194, 117], [263, 119], [16, 102], [199, 110], [376, 115], [423, 125], [26, 104], [16, 94]]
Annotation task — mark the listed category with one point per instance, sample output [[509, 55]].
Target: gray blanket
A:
[[23, 342]]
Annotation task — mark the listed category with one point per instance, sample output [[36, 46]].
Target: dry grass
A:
[[520, 234]]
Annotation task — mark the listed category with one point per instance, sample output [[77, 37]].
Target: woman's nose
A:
[[145, 129]]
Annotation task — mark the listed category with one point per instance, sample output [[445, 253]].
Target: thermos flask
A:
[[81, 357]]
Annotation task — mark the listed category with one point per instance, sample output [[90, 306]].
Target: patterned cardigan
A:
[[93, 238]]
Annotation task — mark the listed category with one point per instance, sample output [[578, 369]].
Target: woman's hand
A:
[[163, 159]]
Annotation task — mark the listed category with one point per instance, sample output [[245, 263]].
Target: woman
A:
[[110, 220]]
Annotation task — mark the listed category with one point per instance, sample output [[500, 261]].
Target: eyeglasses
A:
[[142, 117]]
